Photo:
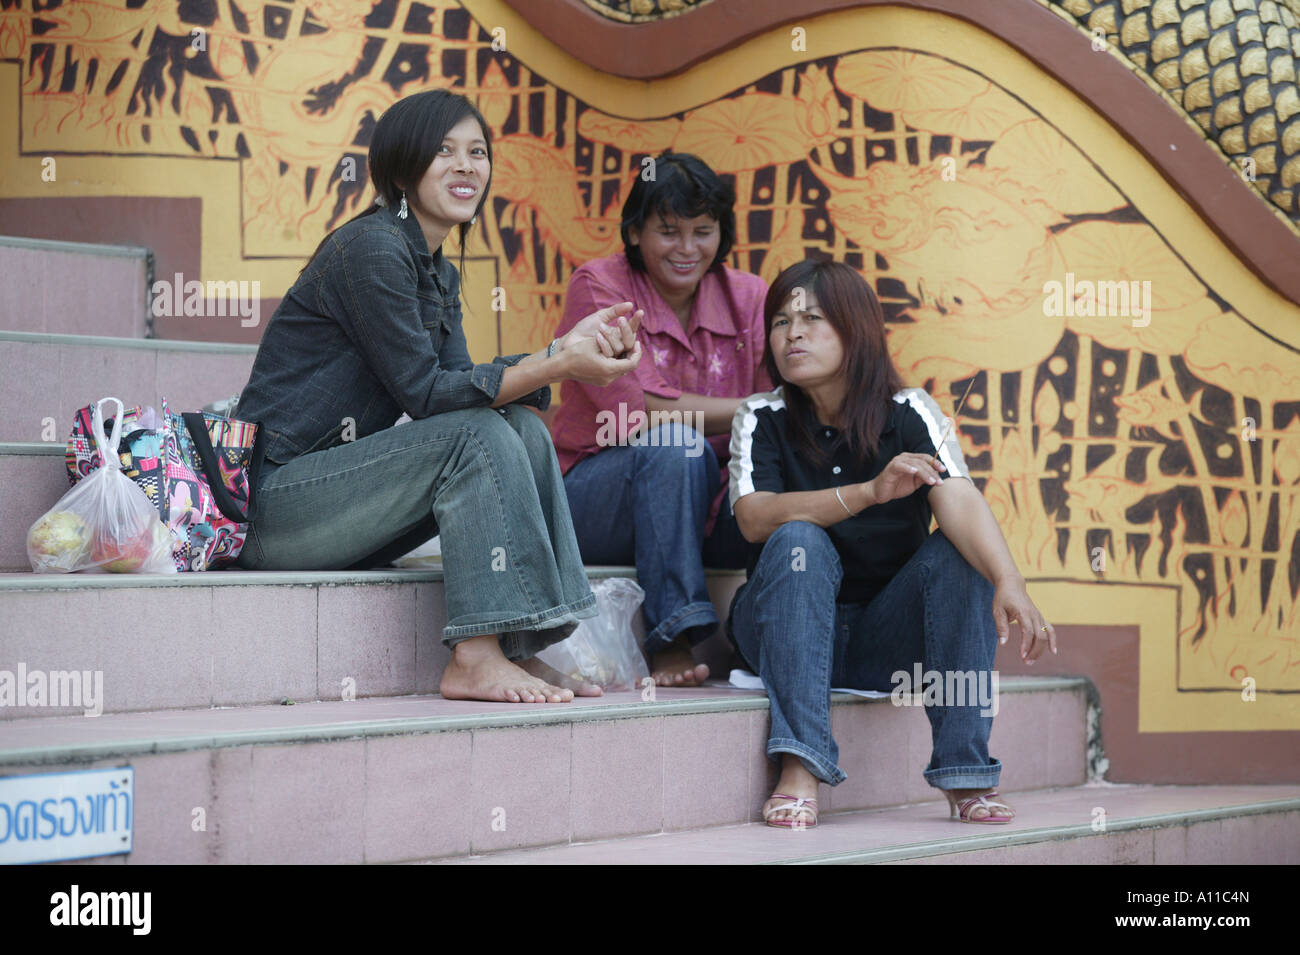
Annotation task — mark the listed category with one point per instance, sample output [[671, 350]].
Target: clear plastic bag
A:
[[603, 650], [428, 554], [105, 521]]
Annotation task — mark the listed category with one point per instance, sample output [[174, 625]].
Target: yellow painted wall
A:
[[1144, 473]]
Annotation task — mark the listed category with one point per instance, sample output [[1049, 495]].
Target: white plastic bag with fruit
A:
[[105, 521]]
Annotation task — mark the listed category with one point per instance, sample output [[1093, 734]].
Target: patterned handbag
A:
[[199, 470]]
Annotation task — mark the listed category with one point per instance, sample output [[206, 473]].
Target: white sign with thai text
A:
[[47, 817]]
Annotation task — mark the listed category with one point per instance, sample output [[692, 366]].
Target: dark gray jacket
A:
[[370, 330]]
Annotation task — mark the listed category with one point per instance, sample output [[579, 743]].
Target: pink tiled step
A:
[[73, 288], [421, 778], [32, 479], [229, 637], [48, 377], [1144, 825]]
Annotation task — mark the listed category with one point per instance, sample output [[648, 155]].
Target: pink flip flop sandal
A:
[[797, 804], [962, 809]]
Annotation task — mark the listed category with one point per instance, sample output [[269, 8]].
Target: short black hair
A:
[[683, 186], [404, 143]]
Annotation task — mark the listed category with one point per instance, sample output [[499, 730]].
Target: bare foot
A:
[[978, 811], [676, 666], [479, 671], [553, 676], [797, 782]]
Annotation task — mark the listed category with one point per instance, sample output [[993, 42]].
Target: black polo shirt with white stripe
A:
[[874, 545]]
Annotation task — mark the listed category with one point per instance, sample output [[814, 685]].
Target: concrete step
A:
[[32, 479], [74, 288], [49, 377], [1144, 825], [417, 778], [227, 638]]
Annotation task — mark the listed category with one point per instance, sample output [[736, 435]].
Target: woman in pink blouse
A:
[[645, 458]]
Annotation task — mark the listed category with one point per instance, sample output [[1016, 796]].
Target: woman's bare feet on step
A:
[[795, 782], [480, 671], [676, 666], [553, 676]]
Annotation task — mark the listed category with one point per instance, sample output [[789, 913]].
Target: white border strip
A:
[[743, 424], [928, 409]]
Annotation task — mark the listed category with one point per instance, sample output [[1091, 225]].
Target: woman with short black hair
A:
[[372, 329], [836, 474], [643, 457]]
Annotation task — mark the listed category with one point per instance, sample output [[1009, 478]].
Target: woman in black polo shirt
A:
[[832, 474]]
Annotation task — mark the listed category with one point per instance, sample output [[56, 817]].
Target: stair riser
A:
[[30, 484], [197, 646], [176, 647], [52, 381], [437, 795], [108, 297], [1260, 839]]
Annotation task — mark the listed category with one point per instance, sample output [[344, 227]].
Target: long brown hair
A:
[[854, 312]]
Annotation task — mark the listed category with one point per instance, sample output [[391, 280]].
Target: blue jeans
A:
[[936, 611], [646, 504], [486, 479]]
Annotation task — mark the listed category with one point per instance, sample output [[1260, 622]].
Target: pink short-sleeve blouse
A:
[[721, 354]]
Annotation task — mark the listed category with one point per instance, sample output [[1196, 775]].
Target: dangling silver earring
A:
[[473, 220], [401, 210]]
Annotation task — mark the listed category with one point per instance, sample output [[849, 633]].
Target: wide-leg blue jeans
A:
[[936, 611], [646, 504], [486, 479]]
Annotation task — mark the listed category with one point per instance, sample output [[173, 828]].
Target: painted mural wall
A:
[[1134, 417]]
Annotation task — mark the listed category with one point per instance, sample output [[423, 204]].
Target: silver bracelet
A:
[[842, 504], [550, 349]]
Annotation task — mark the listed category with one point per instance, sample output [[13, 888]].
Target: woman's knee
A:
[[447, 422], [805, 551], [530, 428], [802, 538], [487, 432], [424, 444]]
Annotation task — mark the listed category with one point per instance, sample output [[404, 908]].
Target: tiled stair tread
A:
[[144, 344], [50, 739], [14, 581], [924, 829], [18, 581], [22, 448], [78, 248]]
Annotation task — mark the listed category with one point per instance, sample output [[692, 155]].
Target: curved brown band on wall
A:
[[1240, 217]]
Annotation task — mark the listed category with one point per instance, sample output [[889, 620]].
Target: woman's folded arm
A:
[[716, 413], [759, 514]]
